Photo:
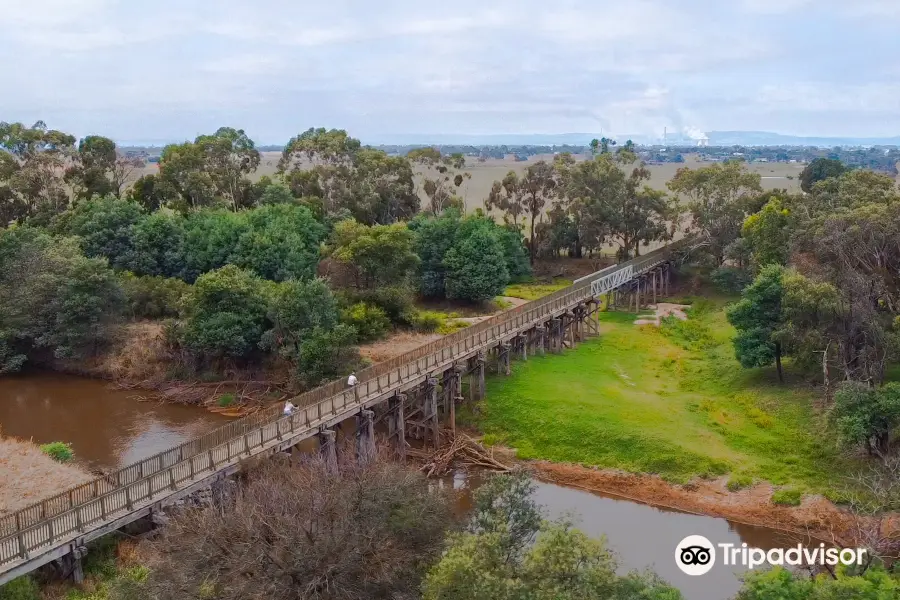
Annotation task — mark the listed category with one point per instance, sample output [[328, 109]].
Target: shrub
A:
[[731, 280], [738, 482], [395, 301], [58, 451], [370, 322], [225, 400], [21, 588], [428, 321], [787, 496], [281, 241], [153, 297], [226, 315], [691, 333], [327, 353], [295, 309], [157, 242]]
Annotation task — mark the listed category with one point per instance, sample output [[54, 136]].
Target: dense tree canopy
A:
[[818, 170]]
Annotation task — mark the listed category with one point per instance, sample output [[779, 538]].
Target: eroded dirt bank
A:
[[816, 517]]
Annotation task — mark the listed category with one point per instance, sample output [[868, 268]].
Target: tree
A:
[[157, 246], [818, 170], [368, 184], [225, 316], [525, 197], [298, 531], [379, 255], [769, 233], [55, 303], [151, 192], [718, 198], [279, 242], [229, 155], [509, 552], [32, 162], [295, 310], [98, 170], [184, 170], [476, 267], [104, 226], [641, 216], [866, 416], [757, 318], [434, 236], [441, 177]]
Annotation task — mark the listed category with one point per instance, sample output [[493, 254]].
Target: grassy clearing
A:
[[535, 289], [671, 401]]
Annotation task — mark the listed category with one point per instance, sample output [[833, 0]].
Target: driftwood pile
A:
[[461, 451]]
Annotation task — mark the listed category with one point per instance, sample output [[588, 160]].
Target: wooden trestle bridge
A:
[[414, 393]]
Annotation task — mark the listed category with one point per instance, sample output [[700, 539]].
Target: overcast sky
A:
[[170, 69]]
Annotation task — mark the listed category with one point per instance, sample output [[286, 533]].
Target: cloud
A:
[[173, 69]]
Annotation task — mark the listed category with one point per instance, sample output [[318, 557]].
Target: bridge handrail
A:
[[325, 398]]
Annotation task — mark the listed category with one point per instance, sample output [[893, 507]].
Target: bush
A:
[[731, 280], [225, 400], [21, 588], [370, 322], [395, 301], [428, 321], [157, 242], [226, 315], [58, 451], [327, 353], [280, 242], [295, 309], [787, 496], [690, 334], [153, 297], [739, 482]]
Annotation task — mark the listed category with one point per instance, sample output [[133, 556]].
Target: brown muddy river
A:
[[109, 428]]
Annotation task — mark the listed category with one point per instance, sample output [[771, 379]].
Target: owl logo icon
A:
[[695, 555]]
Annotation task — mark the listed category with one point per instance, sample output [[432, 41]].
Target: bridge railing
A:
[[53, 517]]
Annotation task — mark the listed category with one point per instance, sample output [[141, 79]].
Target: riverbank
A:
[[671, 402], [29, 475]]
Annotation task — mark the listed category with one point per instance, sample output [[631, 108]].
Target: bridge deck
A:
[[47, 530]]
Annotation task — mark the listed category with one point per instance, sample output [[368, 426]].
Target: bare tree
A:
[[302, 533]]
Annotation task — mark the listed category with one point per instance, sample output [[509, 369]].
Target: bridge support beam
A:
[[541, 332], [365, 437], [668, 276], [328, 447], [655, 272], [504, 354], [397, 425], [479, 376], [555, 335], [523, 346], [431, 411]]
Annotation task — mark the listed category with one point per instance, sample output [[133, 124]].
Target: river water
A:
[[109, 428]]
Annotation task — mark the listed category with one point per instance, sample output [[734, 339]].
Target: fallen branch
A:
[[461, 451]]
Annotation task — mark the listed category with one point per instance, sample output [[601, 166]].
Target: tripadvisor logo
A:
[[696, 555]]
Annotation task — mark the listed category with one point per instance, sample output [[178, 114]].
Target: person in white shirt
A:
[[289, 408], [352, 380]]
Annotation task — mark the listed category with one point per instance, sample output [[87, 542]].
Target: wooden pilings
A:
[[365, 437], [328, 448]]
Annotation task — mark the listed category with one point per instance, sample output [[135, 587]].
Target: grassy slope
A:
[[652, 401]]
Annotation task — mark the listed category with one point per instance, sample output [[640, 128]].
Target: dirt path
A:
[[661, 311]]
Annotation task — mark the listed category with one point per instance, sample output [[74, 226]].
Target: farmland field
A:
[[476, 189]]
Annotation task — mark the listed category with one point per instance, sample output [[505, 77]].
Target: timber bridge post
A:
[[402, 391]]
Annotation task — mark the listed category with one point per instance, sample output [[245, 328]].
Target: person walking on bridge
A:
[[289, 408], [352, 380]]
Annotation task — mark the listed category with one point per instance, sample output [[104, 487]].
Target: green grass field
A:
[[533, 290], [670, 401]]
